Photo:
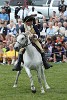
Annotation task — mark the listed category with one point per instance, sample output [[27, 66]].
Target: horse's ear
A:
[[22, 33], [25, 34]]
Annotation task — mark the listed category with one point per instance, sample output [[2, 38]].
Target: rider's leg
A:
[[46, 64], [17, 67], [40, 49]]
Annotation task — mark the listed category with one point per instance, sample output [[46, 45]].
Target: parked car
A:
[[12, 14], [48, 7]]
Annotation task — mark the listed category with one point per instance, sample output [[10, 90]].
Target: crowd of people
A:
[[52, 34]]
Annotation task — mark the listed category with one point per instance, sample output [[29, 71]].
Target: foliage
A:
[[56, 78]]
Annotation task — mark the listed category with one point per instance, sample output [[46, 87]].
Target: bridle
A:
[[26, 42]]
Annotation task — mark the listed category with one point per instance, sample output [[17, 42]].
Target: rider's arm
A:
[[36, 30]]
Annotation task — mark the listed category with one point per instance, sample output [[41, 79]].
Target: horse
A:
[[32, 61]]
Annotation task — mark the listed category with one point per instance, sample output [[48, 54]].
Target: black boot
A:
[[46, 64], [17, 67]]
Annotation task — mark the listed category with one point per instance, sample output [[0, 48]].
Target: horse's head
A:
[[21, 42]]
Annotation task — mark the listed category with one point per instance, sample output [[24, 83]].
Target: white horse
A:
[[32, 60]]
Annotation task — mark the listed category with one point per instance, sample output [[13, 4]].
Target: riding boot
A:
[[17, 67], [46, 64]]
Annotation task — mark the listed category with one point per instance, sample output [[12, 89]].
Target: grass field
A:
[[56, 78]]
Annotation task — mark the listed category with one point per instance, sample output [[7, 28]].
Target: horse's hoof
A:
[[34, 91], [15, 86], [47, 87], [42, 91]]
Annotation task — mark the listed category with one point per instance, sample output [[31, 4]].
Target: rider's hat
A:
[[28, 18]]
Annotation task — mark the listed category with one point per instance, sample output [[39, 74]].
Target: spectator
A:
[[65, 14], [4, 16], [50, 31], [47, 53], [7, 9], [61, 28], [17, 10], [54, 49], [3, 30], [59, 39], [4, 51], [59, 54], [23, 12], [65, 25], [10, 38], [65, 35], [44, 19], [62, 7], [54, 16], [44, 29], [49, 43], [10, 55], [56, 27], [19, 26], [12, 28], [33, 12], [37, 23], [5, 47]]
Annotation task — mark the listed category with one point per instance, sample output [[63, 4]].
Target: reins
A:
[[24, 45]]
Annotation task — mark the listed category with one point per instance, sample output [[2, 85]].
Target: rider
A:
[[33, 32]]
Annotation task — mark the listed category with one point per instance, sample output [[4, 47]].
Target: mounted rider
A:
[[33, 33]]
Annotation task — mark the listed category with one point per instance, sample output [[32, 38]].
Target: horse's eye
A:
[[22, 38]]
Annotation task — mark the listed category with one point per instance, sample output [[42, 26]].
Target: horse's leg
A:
[[17, 76], [39, 79], [31, 80], [44, 78]]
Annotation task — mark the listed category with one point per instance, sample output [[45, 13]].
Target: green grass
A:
[[56, 78]]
